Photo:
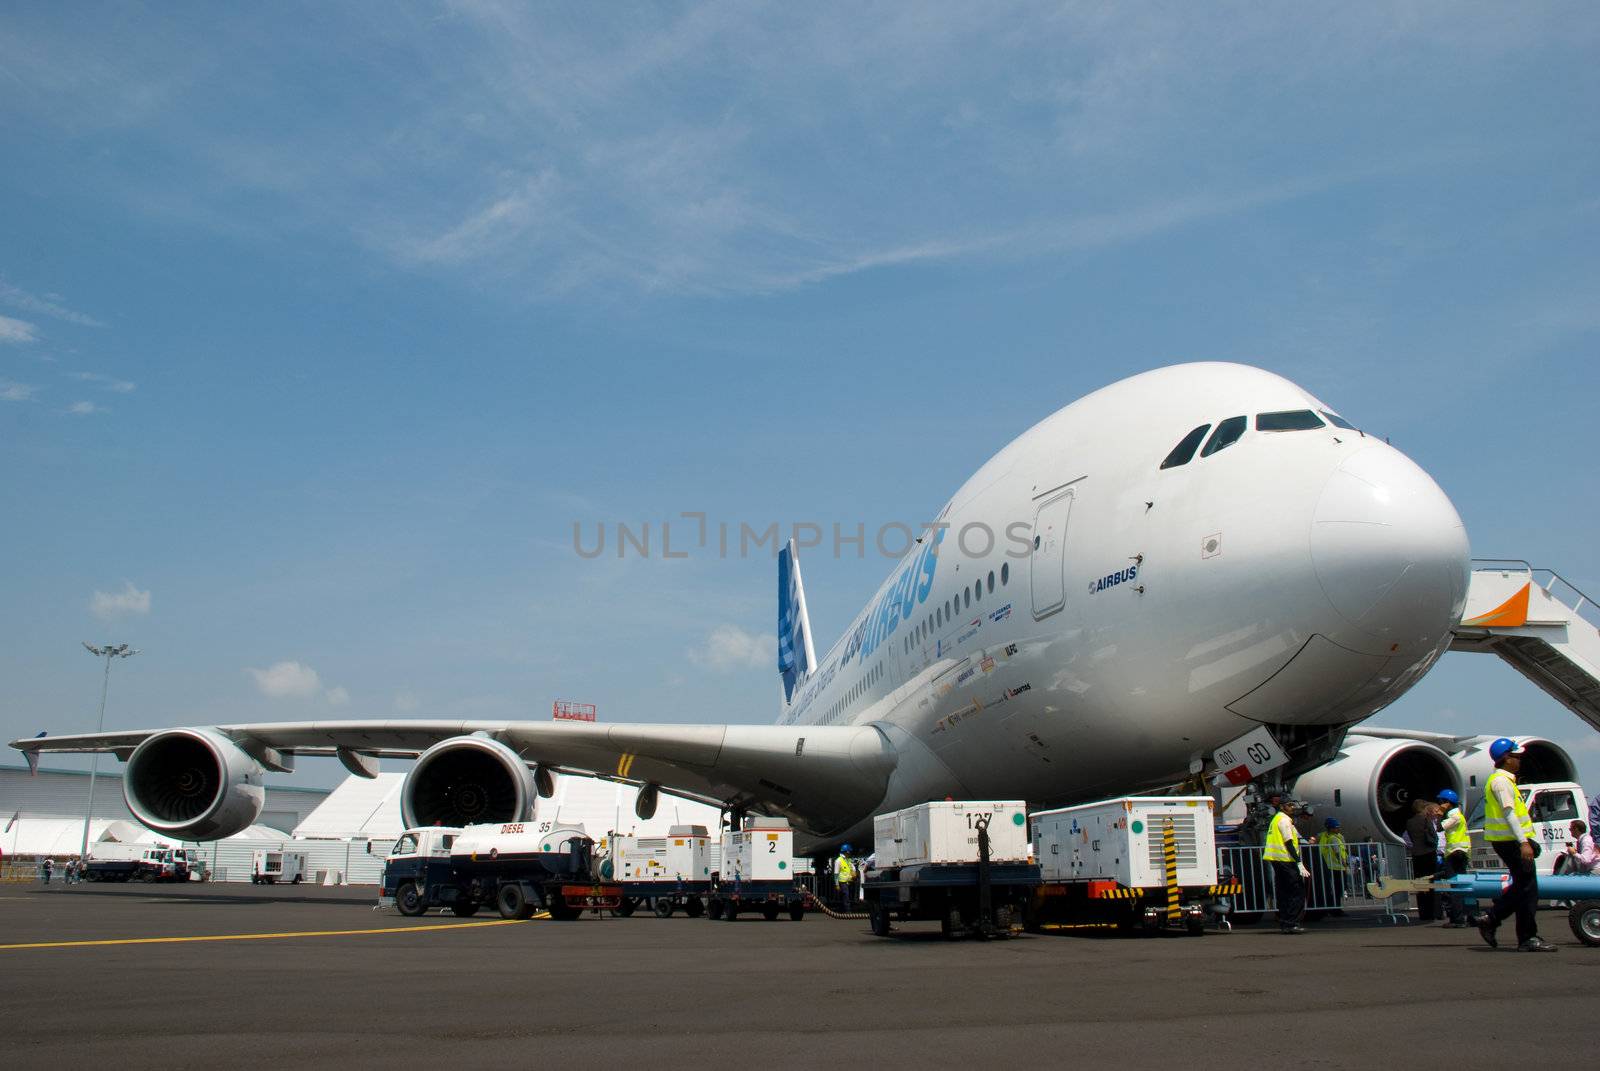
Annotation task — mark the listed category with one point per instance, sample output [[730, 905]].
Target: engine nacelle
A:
[[193, 784], [1371, 786], [1543, 762], [467, 780]]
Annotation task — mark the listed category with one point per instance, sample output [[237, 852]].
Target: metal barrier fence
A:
[[1331, 887], [13, 872]]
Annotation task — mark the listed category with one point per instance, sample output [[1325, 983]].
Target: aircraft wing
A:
[[1443, 741], [825, 778]]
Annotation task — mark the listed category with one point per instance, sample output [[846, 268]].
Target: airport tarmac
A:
[[246, 976]]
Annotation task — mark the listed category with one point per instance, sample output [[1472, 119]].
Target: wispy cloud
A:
[[85, 409], [730, 648], [130, 601], [505, 220], [18, 298], [111, 383], [16, 392], [17, 330], [723, 149]]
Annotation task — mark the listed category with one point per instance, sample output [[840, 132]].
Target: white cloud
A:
[[730, 648], [130, 600], [120, 386], [296, 680], [50, 305], [85, 409], [16, 392], [287, 680], [406, 701], [16, 330]]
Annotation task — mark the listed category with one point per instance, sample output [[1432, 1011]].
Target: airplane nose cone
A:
[[1389, 548]]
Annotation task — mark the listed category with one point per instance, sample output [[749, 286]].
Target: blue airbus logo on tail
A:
[[793, 663]]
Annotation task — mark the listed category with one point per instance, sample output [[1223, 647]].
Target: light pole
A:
[[108, 652]]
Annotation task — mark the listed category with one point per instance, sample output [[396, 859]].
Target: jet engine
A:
[[468, 780], [1543, 761], [1371, 785], [193, 784]]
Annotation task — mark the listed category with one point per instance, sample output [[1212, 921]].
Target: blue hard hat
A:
[[1332, 823], [1448, 795], [1503, 747], [845, 848]]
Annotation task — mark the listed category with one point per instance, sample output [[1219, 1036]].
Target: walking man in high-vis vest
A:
[[1509, 831], [1288, 872], [1457, 852]]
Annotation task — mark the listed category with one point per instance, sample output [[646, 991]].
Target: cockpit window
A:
[[1291, 420], [1184, 451], [1338, 421], [1226, 435]]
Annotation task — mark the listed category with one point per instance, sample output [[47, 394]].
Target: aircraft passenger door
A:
[[1047, 568]]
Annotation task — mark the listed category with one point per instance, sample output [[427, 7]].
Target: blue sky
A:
[[321, 325]]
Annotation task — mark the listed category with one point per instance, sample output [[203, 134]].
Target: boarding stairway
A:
[[1540, 624]]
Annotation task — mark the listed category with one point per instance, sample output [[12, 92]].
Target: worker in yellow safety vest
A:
[[844, 873], [1457, 852], [1288, 872], [1334, 855], [1509, 831]]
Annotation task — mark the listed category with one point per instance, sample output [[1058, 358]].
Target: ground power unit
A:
[[1138, 863], [947, 832]]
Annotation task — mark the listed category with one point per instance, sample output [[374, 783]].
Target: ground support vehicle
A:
[[517, 871], [1479, 886], [662, 874], [726, 899], [961, 863], [755, 872], [665, 898], [1552, 806], [1140, 863], [981, 899], [271, 867], [113, 861], [189, 865]]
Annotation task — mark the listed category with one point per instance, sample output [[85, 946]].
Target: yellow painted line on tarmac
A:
[[268, 936]]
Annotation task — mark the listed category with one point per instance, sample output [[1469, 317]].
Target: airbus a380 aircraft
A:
[[1138, 579]]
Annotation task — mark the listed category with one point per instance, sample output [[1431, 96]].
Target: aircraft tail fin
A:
[[33, 757], [796, 656]]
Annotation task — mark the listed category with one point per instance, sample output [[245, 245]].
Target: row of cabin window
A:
[[855, 692], [1229, 431], [962, 600]]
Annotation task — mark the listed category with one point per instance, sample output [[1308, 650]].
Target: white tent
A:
[[363, 808], [25, 835]]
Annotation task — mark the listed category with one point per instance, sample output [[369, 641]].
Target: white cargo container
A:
[[271, 867], [684, 854], [762, 851], [1120, 840], [947, 832]]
